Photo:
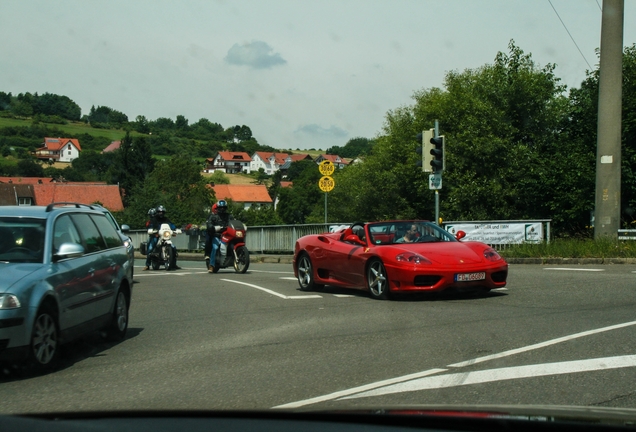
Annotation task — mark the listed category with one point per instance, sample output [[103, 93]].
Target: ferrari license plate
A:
[[467, 277]]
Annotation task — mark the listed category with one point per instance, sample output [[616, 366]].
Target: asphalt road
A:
[[556, 335]]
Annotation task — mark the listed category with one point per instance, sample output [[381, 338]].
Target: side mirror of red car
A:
[[352, 238], [460, 235]]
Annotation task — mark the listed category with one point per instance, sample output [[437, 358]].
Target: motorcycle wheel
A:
[[242, 261], [155, 264], [168, 257]]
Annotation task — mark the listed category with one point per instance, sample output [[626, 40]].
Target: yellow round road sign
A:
[[326, 168], [326, 184]]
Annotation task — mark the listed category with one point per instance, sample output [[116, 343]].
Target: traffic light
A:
[[438, 162], [419, 149], [425, 139]]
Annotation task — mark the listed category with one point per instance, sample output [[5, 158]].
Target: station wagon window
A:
[[92, 238], [64, 231], [108, 232], [21, 239]]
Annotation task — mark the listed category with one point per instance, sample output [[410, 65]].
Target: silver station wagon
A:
[[65, 272]]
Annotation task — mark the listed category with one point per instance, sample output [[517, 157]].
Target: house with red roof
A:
[[270, 162], [229, 162], [58, 149], [79, 192], [335, 159], [114, 145], [247, 195]]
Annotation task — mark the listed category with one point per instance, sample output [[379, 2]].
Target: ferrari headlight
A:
[[239, 233], [491, 254], [413, 258], [9, 301]]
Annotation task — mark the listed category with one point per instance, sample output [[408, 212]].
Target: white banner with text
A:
[[500, 233]]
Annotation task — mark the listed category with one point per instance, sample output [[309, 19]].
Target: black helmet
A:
[[152, 212], [221, 206], [161, 209]]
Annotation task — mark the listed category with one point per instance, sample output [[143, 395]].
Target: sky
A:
[[301, 74]]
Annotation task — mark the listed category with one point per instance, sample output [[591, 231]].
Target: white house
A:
[[59, 149]]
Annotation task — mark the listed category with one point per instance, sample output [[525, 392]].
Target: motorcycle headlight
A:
[[167, 235], [9, 301], [239, 233]]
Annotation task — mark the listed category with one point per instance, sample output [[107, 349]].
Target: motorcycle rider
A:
[[212, 242], [152, 238], [161, 218], [215, 225]]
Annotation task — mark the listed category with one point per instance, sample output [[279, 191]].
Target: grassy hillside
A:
[[71, 128]]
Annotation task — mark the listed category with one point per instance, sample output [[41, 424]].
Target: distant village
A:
[[26, 191]]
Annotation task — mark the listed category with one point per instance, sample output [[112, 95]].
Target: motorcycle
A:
[[163, 253], [237, 254]]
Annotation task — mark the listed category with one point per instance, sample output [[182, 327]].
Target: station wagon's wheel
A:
[[377, 280], [119, 322], [306, 274], [45, 344]]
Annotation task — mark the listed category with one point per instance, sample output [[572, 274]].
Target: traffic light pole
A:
[[436, 190]]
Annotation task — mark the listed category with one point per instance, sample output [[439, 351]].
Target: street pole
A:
[[607, 213], [436, 190]]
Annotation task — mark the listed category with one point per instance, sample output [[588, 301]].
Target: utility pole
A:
[[607, 213]]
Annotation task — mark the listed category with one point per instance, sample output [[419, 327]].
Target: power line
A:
[[566, 29]]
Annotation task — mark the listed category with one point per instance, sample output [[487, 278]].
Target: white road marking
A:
[[343, 295], [573, 269], [288, 278], [340, 394], [502, 374], [541, 344], [563, 367], [499, 289], [273, 292]]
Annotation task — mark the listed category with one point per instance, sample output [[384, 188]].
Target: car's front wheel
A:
[[377, 280], [306, 274], [45, 344]]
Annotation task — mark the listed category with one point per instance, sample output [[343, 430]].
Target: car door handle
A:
[[91, 271]]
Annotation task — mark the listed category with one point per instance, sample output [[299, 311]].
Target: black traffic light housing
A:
[[438, 161]]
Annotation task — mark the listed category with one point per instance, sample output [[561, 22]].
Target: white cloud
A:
[[255, 54]]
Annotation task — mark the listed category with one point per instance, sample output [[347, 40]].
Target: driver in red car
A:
[[409, 236]]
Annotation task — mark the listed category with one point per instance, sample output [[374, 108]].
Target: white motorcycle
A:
[[163, 253]]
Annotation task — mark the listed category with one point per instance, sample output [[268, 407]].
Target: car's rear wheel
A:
[[377, 280], [306, 274], [119, 322], [45, 344]]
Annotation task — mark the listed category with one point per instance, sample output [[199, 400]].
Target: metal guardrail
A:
[[626, 234], [281, 239], [261, 239]]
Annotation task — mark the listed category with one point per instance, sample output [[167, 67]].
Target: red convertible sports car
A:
[[395, 257]]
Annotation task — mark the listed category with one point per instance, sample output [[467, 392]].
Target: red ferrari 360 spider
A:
[[397, 256]]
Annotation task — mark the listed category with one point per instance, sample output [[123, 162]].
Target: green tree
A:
[[501, 123], [132, 163], [298, 203], [177, 184], [30, 168]]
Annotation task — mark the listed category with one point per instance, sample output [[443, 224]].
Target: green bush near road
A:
[[573, 248]]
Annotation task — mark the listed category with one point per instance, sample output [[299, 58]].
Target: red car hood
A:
[[451, 252]]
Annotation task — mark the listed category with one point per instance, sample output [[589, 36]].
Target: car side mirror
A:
[[460, 235], [68, 250], [352, 238]]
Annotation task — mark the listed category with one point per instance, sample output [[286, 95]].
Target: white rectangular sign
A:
[[500, 233]]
